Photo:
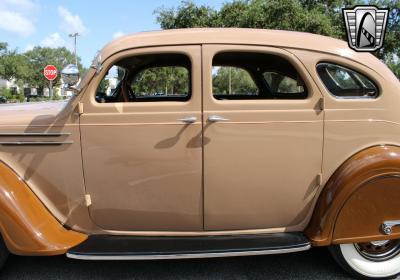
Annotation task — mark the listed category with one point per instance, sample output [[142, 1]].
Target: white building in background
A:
[[8, 84], [33, 92]]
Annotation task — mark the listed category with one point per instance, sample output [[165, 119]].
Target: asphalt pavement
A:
[[313, 264]]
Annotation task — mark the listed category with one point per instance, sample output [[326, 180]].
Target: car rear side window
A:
[[343, 82], [252, 75]]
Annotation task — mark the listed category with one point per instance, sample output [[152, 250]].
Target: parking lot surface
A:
[[313, 264]]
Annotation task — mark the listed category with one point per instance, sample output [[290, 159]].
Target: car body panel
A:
[[149, 177], [359, 196], [26, 225], [55, 174], [247, 157], [246, 36]]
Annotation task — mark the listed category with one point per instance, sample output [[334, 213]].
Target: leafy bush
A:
[[6, 93]]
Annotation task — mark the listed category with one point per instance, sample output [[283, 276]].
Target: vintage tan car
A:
[[210, 143]]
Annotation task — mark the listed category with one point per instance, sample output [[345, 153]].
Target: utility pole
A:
[[74, 35]]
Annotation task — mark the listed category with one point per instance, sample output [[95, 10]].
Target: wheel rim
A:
[[379, 250]]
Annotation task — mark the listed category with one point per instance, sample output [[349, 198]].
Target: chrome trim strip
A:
[[35, 143], [29, 134], [189, 255]]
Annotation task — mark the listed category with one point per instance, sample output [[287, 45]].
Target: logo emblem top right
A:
[[365, 26]]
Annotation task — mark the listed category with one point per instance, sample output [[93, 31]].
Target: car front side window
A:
[[147, 78]]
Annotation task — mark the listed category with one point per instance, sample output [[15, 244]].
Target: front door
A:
[[263, 133], [142, 143]]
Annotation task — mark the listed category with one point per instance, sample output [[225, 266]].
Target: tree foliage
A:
[[39, 57], [27, 68], [315, 16], [12, 64], [233, 80], [172, 80]]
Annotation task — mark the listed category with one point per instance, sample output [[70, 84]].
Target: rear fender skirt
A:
[[360, 196], [26, 225]]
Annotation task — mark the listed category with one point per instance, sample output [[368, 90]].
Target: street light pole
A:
[[74, 35]]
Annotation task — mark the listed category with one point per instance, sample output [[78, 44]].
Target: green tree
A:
[[39, 57], [315, 16], [233, 80], [311, 16], [13, 66], [169, 80], [27, 68]]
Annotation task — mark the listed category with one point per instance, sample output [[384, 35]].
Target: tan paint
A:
[[26, 225], [55, 173], [143, 166], [243, 36], [247, 158]]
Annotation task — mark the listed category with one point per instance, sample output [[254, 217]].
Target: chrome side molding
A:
[[187, 255], [34, 134], [35, 143], [387, 226]]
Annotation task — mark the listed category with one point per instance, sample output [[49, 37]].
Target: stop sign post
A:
[[50, 73]]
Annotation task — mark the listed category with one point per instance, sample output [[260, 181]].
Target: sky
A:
[[28, 23]]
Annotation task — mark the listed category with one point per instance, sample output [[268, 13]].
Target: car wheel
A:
[[370, 260], [3, 252]]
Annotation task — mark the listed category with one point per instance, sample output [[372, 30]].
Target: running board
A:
[[113, 247]]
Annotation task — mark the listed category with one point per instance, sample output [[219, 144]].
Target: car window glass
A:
[[346, 83], [282, 83], [232, 81], [342, 78], [111, 80], [252, 75], [169, 81], [147, 78]]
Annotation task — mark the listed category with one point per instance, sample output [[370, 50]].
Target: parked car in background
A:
[[3, 99], [213, 143]]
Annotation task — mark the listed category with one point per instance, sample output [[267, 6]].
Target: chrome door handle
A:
[[216, 118], [388, 225], [188, 119]]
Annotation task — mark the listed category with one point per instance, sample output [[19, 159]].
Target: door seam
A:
[[202, 133]]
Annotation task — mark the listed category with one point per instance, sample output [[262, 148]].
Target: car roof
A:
[[242, 36]]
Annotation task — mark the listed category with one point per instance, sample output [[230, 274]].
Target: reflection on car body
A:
[[213, 143]]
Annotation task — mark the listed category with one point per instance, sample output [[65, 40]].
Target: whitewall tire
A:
[[374, 260]]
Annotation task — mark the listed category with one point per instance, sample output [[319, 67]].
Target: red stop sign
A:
[[50, 72]]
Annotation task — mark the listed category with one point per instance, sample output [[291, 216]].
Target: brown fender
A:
[[26, 225], [362, 193]]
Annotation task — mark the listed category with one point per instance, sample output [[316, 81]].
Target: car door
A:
[[263, 133], [142, 143]]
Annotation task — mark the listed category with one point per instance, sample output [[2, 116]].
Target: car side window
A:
[[147, 78], [252, 75], [343, 82], [282, 83], [165, 81], [229, 80]]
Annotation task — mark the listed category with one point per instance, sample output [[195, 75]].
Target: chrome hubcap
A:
[[379, 250]]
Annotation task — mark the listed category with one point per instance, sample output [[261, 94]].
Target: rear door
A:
[[263, 133]]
